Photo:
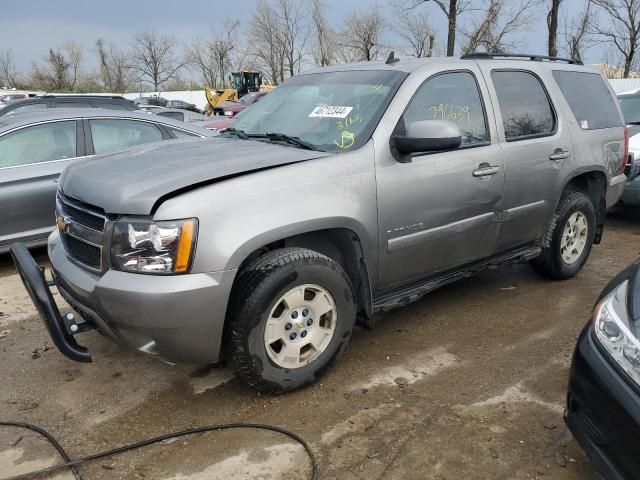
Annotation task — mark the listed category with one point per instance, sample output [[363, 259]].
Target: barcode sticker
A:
[[331, 112]]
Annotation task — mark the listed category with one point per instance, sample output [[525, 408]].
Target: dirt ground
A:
[[468, 383]]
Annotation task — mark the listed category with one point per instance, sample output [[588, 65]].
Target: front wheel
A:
[[292, 312], [568, 242]]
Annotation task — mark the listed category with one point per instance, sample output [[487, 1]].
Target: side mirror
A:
[[428, 136]]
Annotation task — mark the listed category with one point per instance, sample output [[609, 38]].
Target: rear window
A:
[[589, 98]]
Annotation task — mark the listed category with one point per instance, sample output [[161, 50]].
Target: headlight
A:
[[154, 247], [617, 334]]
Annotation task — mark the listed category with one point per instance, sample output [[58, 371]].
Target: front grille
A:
[[82, 216], [82, 252]]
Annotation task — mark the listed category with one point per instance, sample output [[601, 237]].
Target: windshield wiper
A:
[[236, 132], [281, 137], [634, 123]]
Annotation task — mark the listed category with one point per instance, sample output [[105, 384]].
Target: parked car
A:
[[603, 404], [218, 123], [66, 101], [11, 95], [630, 104], [230, 109], [181, 104], [152, 100], [36, 147], [182, 115], [348, 190]]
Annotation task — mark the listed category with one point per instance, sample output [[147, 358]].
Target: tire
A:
[[552, 262], [262, 305]]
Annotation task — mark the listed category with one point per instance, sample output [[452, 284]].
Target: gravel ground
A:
[[467, 383]]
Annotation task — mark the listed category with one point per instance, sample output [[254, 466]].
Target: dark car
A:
[[66, 101], [36, 147], [182, 105], [230, 109], [603, 404], [154, 100]]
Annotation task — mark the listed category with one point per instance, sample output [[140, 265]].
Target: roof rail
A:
[[523, 56]]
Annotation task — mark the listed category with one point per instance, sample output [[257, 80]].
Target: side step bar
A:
[[415, 291]]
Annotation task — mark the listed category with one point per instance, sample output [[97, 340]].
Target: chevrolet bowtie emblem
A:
[[61, 223]]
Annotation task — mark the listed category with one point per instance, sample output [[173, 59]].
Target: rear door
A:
[[31, 159], [535, 142]]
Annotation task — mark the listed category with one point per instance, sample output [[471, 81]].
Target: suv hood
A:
[[134, 180]]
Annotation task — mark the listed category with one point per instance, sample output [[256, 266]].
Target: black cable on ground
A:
[[73, 464]]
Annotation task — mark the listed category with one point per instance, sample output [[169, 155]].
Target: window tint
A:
[[180, 133], [589, 98], [115, 134], [454, 97], [27, 108], [39, 143], [525, 108]]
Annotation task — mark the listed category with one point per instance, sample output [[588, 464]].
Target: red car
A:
[[219, 123], [230, 109]]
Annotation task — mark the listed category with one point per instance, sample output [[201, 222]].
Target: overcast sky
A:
[[29, 28]]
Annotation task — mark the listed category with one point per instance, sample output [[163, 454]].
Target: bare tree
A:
[[114, 70], [293, 34], [265, 41], [362, 35], [501, 20], [213, 58], [576, 32], [622, 28], [414, 29], [452, 9], [74, 54], [324, 48], [552, 27], [8, 70], [153, 57]]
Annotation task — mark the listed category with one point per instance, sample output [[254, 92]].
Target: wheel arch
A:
[[344, 246], [593, 183]]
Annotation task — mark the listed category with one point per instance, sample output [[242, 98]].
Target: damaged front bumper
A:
[[178, 318]]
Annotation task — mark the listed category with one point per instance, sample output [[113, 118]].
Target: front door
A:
[[441, 210], [31, 159]]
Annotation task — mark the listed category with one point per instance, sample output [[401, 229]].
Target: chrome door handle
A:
[[486, 170], [559, 154]]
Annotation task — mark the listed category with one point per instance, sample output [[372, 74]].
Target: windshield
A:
[[333, 111], [630, 105]]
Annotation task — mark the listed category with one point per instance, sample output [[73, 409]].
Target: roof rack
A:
[[524, 56]]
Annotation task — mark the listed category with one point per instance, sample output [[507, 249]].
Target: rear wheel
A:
[[569, 239], [291, 315]]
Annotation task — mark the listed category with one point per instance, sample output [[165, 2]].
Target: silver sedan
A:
[[36, 147]]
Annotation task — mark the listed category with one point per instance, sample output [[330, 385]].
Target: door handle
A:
[[559, 154], [484, 170]]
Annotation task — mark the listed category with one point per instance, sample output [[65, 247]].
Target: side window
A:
[[592, 103], [525, 107], [116, 134], [180, 133], [28, 108], [451, 96], [38, 143]]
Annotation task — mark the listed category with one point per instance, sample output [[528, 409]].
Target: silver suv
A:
[[349, 190]]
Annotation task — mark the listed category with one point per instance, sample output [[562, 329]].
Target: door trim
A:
[[437, 233]]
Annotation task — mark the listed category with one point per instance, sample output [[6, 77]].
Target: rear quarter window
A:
[[589, 98]]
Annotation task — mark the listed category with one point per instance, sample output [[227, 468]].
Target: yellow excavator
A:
[[243, 83]]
